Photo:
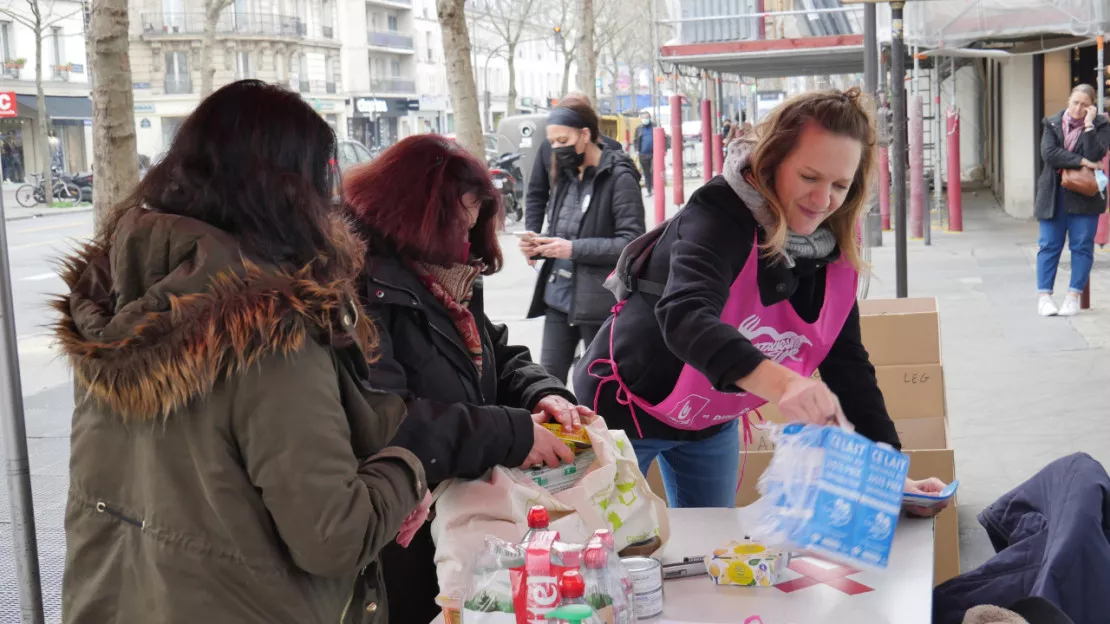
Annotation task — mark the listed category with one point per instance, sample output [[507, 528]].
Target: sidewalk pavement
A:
[[1022, 390], [14, 212]]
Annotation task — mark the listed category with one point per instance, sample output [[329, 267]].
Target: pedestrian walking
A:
[[769, 248], [644, 145], [228, 464], [431, 216], [1069, 200]]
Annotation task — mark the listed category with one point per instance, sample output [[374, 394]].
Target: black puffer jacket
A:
[[1092, 146], [614, 218], [458, 425]]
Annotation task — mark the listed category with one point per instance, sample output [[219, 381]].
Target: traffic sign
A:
[[8, 105]]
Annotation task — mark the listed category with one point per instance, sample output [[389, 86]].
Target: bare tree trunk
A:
[[510, 103], [460, 76], [114, 146], [207, 48], [45, 156], [568, 60], [587, 53]]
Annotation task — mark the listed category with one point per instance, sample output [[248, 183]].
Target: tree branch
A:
[[18, 18]]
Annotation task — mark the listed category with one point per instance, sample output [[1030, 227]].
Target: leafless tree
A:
[[509, 20], [40, 18], [460, 75], [564, 16], [587, 51], [114, 146], [212, 11]]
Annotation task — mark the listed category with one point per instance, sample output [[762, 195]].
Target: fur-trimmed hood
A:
[[171, 307]]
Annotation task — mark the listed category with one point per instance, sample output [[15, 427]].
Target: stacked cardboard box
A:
[[902, 337]]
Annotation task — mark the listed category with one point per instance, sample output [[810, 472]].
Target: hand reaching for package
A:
[[414, 521]]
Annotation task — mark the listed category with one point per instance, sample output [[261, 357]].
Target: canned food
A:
[[649, 604], [646, 573]]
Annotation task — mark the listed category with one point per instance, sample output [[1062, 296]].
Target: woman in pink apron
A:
[[749, 290]]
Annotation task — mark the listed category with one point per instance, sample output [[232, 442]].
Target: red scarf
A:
[[453, 286]]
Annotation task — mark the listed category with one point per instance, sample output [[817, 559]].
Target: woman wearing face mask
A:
[[595, 211], [1074, 139], [750, 289]]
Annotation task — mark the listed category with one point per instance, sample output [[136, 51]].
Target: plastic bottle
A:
[[538, 520], [624, 594]]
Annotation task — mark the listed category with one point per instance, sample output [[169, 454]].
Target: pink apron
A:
[[776, 330]]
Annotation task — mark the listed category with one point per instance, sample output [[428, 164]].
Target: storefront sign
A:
[[368, 106], [140, 85], [8, 106], [144, 108], [145, 123]]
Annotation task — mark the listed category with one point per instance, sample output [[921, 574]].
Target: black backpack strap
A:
[[639, 265]]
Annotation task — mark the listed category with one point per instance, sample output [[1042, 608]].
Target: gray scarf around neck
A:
[[817, 245]]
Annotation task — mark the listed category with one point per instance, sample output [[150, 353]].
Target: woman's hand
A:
[[809, 400], [926, 486], [1091, 113], [1090, 165], [527, 246], [570, 416], [547, 449], [553, 247], [414, 521]]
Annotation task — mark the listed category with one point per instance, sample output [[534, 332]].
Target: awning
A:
[[58, 106], [772, 58]]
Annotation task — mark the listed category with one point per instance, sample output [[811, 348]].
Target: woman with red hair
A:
[[431, 217]]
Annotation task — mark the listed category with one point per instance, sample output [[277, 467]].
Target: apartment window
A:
[[329, 74], [242, 65], [395, 68], [303, 73], [177, 73], [173, 14], [6, 41], [56, 45], [375, 22], [391, 23], [328, 19], [431, 51]]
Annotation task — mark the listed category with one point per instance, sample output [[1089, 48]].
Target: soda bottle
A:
[[604, 590], [572, 588], [537, 521], [623, 593]]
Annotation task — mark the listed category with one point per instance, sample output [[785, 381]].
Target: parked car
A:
[[352, 153]]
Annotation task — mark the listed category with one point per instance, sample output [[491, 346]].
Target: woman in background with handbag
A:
[[1069, 200]]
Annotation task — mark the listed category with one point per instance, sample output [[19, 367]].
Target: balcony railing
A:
[[229, 23], [392, 85], [389, 40], [177, 85], [407, 3]]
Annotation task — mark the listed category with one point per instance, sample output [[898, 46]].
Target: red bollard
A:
[[718, 154], [884, 186], [917, 168], [659, 172], [707, 140], [955, 201], [676, 149]]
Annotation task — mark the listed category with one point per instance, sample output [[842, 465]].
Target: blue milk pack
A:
[[833, 493]]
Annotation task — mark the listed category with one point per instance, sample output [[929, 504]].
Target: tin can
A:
[[646, 573], [650, 604]]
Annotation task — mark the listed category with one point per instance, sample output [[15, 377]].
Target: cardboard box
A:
[[939, 463], [922, 433], [900, 331], [915, 391]]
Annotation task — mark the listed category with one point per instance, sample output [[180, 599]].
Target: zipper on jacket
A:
[[350, 599], [101, 507]]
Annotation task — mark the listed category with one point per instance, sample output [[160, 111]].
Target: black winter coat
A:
[[539, 184], [699, 257], [614, 218], [1092, 146], [458, 425]]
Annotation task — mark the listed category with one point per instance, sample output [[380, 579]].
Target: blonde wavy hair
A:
[[846, 113]]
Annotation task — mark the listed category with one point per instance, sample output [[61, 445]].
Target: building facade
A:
[[66, 85], [290, 42]]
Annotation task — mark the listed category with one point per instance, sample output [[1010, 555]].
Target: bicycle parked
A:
[[30, 195]]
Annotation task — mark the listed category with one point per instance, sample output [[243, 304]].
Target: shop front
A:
[[380, 122], [69, 136]]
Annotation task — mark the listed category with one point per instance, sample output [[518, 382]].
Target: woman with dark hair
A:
[[228, 463], [431, 215], [1074, 142], [596, 210]]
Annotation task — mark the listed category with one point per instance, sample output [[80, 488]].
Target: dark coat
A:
[[614, 218], [229, 463], [698, 258], [539, 184], [1092, 146], [1052, 536], [458, 425]]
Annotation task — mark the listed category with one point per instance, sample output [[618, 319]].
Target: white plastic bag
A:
[[613, 495]]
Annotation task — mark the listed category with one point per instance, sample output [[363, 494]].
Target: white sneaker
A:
[[1046, 307], [1070, 307]]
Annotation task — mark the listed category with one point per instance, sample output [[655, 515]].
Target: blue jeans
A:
[[703, 473], [1079, 231]]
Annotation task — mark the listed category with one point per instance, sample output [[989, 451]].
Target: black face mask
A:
[[566, 157]]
